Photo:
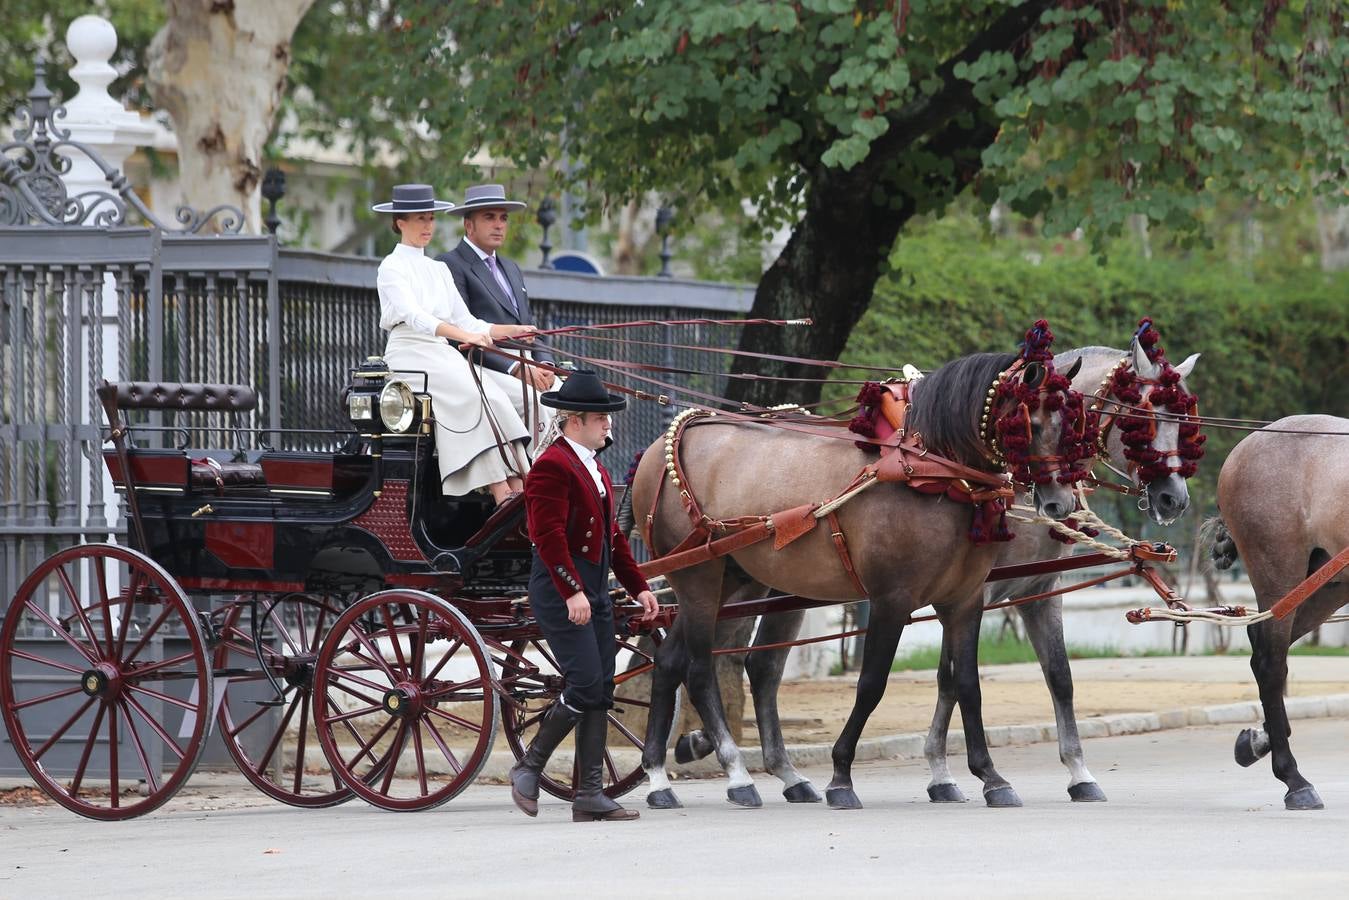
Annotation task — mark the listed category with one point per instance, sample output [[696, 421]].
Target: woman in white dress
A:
[[480, 444]]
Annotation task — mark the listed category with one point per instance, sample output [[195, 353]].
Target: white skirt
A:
[[466, 442]]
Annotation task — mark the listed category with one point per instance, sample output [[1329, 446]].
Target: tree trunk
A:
[[218, 67], [1332, 227]]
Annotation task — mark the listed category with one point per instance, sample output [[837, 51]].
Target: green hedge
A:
[[1271, 347]]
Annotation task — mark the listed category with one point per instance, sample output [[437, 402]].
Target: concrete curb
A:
[[910, 746]]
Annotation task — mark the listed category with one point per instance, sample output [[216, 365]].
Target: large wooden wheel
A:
[[537, 691], [403, 700], [269, 740], [105, 686]]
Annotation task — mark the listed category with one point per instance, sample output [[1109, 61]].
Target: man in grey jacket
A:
[[494, 289]]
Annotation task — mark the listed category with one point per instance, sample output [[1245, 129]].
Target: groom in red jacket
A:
[[569, 502]]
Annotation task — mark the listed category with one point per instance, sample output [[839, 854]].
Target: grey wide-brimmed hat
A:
[[486, 196], [413, 198]]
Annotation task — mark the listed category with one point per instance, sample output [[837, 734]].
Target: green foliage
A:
[[34, 26], [1272, 346]]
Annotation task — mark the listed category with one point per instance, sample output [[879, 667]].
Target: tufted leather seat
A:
[[181, 396]]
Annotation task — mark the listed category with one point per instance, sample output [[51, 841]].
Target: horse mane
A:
[[949, 403]]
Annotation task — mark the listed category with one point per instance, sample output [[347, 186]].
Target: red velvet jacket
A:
[[565, 520]]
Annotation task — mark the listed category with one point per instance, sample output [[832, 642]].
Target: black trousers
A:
[[585, 653]]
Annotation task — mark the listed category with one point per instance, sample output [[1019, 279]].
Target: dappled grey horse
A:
[[1166, 497], [1284, 501], [909, 549]]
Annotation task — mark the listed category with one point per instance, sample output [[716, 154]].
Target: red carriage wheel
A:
[[267, 739], [104, 683], [537, 692], [403, 700]]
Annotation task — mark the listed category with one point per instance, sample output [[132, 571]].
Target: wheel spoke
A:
[[449, 652], [354, 693], [350, 675], [356, 714], [58, 630], [60, 732], [101, 576], [141, 671], [88, 750], [457, 720], [45, 698], [364, 749], [419, 649], [149, 633], [376, 658], [300, 741], [632, 701], [279, 623], [623, 730], [394, 638], [42, 660], [150, 778], [116, 785], [76, 605], [395, 751], [134, 584], [421, 759], [261, 711], [609, 764], [276, 738], [156, 728], [444, 748], [165, 698]]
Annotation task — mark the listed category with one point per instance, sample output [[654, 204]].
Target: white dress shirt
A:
[[588, 460], [418, 291]]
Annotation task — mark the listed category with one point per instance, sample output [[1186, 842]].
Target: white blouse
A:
[[418, 291]]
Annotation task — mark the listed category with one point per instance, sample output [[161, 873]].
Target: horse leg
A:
[[1252, 744], [671, 663], [878, 652], [963, 626], [942, 788], [735, 587], [1044, 627], [765, 676], [1269, 663]]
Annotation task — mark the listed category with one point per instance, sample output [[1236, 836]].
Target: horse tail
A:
[[623, 516], [1214, 536]]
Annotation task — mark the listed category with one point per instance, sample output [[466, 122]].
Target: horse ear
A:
[[1187, 367], [1035, 373], [1143, 366], [1073, 369]]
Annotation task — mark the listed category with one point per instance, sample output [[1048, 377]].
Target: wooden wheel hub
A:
[[405, 701], [104, 680]]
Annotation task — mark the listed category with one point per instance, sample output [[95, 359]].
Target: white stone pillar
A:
[[98, 121]]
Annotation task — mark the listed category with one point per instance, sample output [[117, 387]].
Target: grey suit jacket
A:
[[486, 301]]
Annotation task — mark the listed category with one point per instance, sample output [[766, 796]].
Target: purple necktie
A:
[[501, 281]]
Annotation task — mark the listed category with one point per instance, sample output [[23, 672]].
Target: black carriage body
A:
[[344, 522]]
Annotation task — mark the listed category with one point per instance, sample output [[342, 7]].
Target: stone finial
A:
[[92, 41]]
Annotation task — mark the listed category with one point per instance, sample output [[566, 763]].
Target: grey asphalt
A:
[[1182, 820]]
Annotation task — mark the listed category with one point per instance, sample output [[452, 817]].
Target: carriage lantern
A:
[[374, 398]]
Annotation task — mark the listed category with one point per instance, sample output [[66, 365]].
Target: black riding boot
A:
[[524, 775], [591, 805]]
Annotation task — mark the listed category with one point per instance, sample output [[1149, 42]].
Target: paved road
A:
[[1182, 821]]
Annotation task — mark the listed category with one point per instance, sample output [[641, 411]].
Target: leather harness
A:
[[904, 459]]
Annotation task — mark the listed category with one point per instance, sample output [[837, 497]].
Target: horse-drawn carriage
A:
[[350, 632], [344, 628]]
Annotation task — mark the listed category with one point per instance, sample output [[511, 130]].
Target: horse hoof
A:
[[684, 750], [1303, 798], [1086, 792], [946, 792], [1245, 751], [1002, 797], [663, 799], [802, 792], [746, 796], [842, 798]]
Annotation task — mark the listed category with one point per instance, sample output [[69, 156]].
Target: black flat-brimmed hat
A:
[[583, 392], [486, 196], [413, 198]]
